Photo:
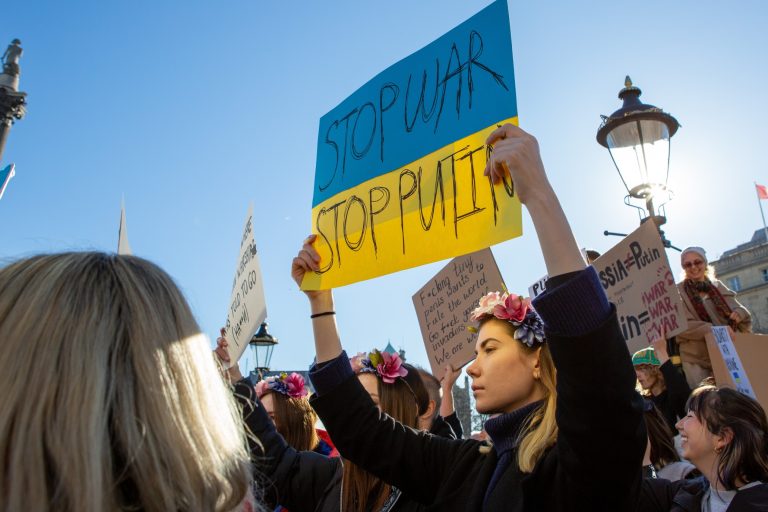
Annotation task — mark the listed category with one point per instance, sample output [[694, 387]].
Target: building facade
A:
[[744, 269]]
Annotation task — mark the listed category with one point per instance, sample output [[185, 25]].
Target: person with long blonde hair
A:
[[111, 399], [562, 384]]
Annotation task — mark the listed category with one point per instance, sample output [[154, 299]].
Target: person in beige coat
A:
[[707, 302]]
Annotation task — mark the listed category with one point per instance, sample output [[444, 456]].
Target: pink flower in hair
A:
[[487, 305], [261, 388], [292, 386], [295, 384], [514, 308], [390, 368]]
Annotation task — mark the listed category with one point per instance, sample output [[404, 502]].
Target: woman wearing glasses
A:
[[707, 302]]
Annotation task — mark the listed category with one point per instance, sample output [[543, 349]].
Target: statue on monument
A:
[[11, 58]]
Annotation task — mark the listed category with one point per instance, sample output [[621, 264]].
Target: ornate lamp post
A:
[[638, 139], [12, 102], [261, 346]]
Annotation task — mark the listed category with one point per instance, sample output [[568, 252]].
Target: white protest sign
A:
[[538, 287], [636, 276], [444, 304], [247, 304], [732, 361]]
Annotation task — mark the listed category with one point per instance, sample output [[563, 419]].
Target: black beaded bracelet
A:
[[324, 313]]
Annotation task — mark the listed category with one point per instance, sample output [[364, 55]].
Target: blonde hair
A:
[[541, 431], [112, 399]]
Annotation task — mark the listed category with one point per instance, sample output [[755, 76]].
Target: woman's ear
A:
[[723, 439], [536, 363]]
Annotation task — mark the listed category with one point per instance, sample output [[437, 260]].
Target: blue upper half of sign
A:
[[457, 85]]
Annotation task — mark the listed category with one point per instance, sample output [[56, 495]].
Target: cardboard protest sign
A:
[[399, 175], [636, 276], [538, 287], [444, 304], [247, 304], [739, 362]]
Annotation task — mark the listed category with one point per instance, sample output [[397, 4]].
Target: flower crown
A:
[[292, 385], [514, 309], [388, 367]]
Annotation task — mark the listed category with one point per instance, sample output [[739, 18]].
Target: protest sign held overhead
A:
[[399, 175], [247, 304], [444, 304], [636, 276]]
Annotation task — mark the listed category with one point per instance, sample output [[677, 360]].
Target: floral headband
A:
[[514, 309], [292, 385], [388, 367]]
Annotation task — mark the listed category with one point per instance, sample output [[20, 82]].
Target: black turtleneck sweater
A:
[[504, 430]]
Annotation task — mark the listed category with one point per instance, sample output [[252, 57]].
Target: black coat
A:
[[671, 402], [686, 495], [298, 480], [595, 465], [440, 427]]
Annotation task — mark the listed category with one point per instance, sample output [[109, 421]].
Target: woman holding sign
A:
[[707, 302], [549, 425]]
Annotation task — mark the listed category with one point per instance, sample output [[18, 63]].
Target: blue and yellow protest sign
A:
[[399, 178]]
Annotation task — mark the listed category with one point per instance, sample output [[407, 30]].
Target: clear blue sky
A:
[[192, 109]]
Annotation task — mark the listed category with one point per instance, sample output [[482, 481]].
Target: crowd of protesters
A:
[[112, 400]]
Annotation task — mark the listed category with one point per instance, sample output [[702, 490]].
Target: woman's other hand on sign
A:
[[449, 378], [659, 345], [222, 353], [736, 317], [516, 153]]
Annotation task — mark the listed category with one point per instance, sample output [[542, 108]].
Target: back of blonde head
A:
[[111, 399]]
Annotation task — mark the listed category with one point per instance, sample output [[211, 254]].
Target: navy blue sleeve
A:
[[329, 374], [575, 305]]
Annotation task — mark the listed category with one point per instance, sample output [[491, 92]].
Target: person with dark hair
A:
[[286, 399], [420, 393], [707, 302], [725, 435], [562, 383], [661, 381], [661, 451], [433, 421], [591, 256], [305, 480]]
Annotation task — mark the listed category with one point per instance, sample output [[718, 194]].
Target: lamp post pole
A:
[[12, 101]]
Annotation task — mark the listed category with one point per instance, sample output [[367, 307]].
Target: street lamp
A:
[[261, 345], [637, 137]]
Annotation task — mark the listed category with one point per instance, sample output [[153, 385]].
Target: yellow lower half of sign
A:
[[440, 206]]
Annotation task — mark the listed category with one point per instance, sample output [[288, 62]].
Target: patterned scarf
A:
[[694, 289]]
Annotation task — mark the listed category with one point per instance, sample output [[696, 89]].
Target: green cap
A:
[[645, 356]]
